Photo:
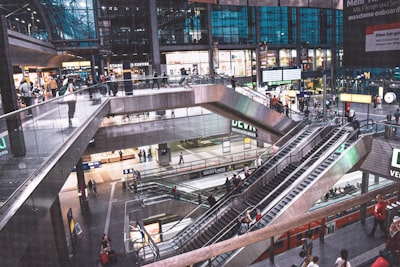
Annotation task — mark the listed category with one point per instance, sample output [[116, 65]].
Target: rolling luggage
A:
[[104, 258]]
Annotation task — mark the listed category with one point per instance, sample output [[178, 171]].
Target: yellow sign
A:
[[356, 98]]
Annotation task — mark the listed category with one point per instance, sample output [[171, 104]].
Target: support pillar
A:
[[83, 198], [126, 69], [364, 189], [9, 97]]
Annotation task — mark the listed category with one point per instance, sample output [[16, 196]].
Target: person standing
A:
[[183, 76], [181, 158], [70, 98], [53, 87], [393, 241], [26, 93], [342, 261], [140, 155], [233, 82], [94, 187], [375, 101], [165, 80], [397, 116], [90, 83], [228, 185], [379, 215], [314, 262], [308, 246], [246, 170], [90, 186], [174, 191], [389, 117], [155, 80]]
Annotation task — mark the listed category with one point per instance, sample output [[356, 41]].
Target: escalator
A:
[[281, 203], [225, 214]]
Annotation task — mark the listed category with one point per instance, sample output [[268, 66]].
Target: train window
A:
[[316, 231], [279, 244], [299, 237], [330, 218]]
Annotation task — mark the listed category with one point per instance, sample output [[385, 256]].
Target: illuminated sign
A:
[[244, 128], [356, 98], [3, 146], [395, 163]]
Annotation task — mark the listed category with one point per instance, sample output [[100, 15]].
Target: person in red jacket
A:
[[393, 241], [379, 215]]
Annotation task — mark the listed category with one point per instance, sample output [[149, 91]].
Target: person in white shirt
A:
[[314, 262], [342, 261]]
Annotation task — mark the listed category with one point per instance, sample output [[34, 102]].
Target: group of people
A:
[[246, 221], [391, 254], [143, 155]]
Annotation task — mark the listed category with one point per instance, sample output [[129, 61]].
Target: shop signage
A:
[[3, 146], [395, 164], [244, 128]]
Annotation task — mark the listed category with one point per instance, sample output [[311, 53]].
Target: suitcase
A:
[[112, 256], [104, 258]]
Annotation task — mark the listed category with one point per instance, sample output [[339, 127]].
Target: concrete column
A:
[[9, 97], [364, 189], [376, 179], [83, 198], [126, 68], [155, 44]]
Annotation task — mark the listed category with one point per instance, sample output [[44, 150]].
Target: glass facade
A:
[[278, 25], [124, 29], [71, 20], [181, 22], [233, 24]]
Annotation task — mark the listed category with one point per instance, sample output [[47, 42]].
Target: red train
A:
[[294, 237]]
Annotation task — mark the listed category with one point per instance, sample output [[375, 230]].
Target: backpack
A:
[[62, 90]]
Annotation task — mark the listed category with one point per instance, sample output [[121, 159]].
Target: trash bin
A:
[[389, 131]]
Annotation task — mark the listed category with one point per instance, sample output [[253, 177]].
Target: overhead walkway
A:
[[38, 152], [230, 105], [276, 192]]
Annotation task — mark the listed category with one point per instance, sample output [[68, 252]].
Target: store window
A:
[[287, 58], [195, 62], [234, 62], [322, 59]]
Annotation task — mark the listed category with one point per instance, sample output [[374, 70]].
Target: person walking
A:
[[26, 93], [379, 215], [342, 260]]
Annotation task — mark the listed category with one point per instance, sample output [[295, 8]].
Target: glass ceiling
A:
[[51, 19]]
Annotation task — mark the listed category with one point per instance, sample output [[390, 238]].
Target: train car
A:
[[294, 237]]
